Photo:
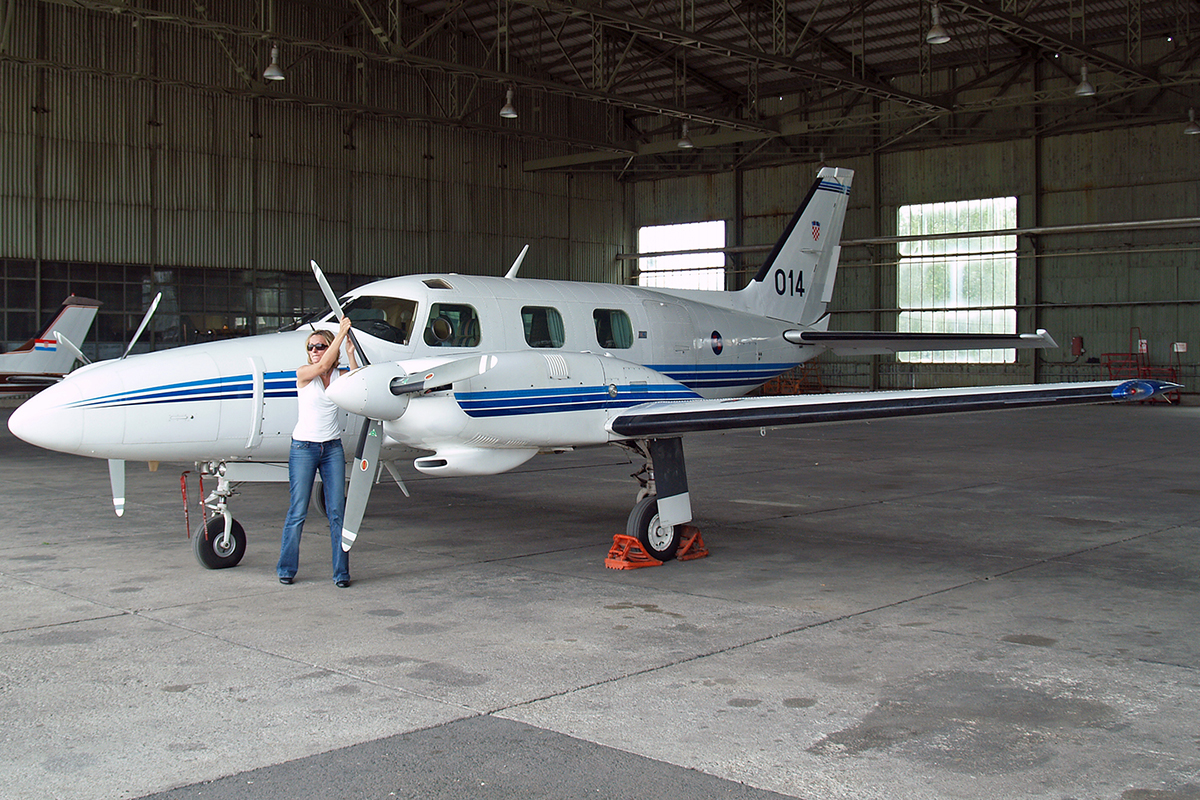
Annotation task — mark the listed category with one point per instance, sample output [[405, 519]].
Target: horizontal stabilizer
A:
[[33, 381], [865, 343], [692, 416]]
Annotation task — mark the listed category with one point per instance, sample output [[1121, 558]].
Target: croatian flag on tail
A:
[[47, 345]]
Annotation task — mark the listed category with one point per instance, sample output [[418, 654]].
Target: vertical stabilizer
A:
[[73, 323], [42, 354], [795, 283]]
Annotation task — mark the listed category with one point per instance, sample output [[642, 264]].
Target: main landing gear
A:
[[663, 506], [658, 540]]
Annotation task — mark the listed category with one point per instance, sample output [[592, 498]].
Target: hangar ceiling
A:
[[757, 82]]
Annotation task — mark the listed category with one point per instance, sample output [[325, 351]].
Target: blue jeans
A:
[[304, 460]]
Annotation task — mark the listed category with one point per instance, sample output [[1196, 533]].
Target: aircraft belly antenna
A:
[[116, 478], [512, 271]]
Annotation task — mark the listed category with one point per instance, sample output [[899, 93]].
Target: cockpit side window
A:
[[452, 325], [614, 331], [387, 318], [543, 326]]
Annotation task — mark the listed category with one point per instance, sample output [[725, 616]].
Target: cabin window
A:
[[452, 325], [966, 283], [543, 326], [684, 270], [387, 318], [614, 331]]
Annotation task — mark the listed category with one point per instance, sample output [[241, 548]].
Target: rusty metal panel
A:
[[996, 169]]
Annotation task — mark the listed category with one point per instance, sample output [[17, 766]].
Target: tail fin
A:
[[795, 283], [43, 354]]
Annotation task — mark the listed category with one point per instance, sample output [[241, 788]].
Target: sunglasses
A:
[[316, 348]]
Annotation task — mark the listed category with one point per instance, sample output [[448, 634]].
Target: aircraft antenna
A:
[[512, 271]]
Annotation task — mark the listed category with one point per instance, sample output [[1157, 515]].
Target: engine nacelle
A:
[[367, 391]]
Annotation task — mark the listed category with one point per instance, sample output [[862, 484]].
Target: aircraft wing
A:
[[692, 416], [864, 343]]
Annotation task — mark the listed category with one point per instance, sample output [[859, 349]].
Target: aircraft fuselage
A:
[[591, 350]]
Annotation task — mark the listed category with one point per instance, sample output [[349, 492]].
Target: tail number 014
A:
[[790, 283]]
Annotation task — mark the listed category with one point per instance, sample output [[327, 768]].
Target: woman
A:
[[317, 444]]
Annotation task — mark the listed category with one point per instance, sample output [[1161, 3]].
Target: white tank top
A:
[[318, 418]]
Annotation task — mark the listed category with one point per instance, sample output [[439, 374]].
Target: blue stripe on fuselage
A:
[[234, 387]]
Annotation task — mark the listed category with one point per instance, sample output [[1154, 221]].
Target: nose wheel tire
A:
[[660, 541], [213, 550]]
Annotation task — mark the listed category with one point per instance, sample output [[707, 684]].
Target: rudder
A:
[[795, 282]]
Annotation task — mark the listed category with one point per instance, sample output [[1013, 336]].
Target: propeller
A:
[[377, 392], [66, 343], [370, 436], [362, 476], [331, 298]]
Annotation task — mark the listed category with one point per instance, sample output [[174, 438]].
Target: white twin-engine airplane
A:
[[44, 359], [480, 374]]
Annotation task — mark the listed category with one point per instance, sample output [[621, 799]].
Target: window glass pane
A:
[[951, 284], [21, 294], [388, 318], [688, 271], [614, 331], [452, 325], [543, 327]]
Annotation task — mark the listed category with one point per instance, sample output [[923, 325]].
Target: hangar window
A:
[[961, 283], [543, 326], [687, 270]]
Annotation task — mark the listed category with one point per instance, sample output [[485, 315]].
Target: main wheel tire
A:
[[658, 540], [209, 550]]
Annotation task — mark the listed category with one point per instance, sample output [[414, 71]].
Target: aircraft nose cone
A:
[[48, 420]]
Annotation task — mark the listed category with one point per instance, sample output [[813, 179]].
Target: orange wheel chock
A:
[[692, 545], [627, 553]]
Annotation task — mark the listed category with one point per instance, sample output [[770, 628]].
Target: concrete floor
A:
[[980, 606]]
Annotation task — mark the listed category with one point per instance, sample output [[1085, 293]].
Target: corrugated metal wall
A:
[[1107, 287], [111, 170]]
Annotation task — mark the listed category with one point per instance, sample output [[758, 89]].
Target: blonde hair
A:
[[324, 334]]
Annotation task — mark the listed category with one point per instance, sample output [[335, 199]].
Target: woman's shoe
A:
[[286, 581], [341, 584]]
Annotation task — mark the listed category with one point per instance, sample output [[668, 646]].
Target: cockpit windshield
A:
[[387, 318]]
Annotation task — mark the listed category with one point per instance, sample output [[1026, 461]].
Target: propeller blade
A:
[[332, 299], [69, 345], [116, 477], [362, 477], [145, 321], [443, 375]]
